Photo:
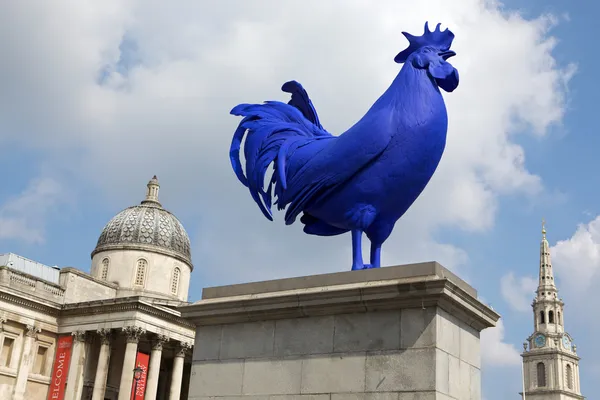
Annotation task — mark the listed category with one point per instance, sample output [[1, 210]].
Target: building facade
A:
[[111, 334], [550, 360]]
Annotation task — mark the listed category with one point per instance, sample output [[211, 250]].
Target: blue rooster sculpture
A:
[[365, 179]]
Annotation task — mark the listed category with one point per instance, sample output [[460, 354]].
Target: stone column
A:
[[25, 363], [76, 367], [154, 367], [133, 337], [103, 364], [175, 390]]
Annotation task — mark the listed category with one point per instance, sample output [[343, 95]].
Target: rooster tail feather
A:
[[272, 132]]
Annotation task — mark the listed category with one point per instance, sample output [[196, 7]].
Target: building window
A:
[[569, 376], [542, 317], [175, 280], [104, 270], [541, 374], [40, 361], [558, 318], [6, 352], [140, 272], [550, 317]]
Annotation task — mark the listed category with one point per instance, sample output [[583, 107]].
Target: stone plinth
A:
[[408, 332]]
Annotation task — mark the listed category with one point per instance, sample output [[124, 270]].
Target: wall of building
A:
[[158, 277], [80, 287]]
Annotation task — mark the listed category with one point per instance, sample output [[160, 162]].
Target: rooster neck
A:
[[412, 89]]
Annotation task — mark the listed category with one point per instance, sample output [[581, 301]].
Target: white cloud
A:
[[163, 107], [23, 217], [577, 259], [494, 351], [518, 292]]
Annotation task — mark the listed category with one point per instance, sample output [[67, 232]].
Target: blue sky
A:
[[95, 103]]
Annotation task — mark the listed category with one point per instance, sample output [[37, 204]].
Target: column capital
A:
[[182, 349], [32, 330], [159, 341], [79, 336], [105, 335], [133, 333], [3, 320]]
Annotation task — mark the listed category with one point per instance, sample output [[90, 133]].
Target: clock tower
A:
[[550, 361]]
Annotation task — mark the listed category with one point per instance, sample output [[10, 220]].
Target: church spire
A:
[[546, 287]]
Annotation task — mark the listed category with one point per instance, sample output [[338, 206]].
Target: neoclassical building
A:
[[550, 360], [103, 335]]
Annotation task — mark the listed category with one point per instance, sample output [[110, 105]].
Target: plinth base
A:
[[408, 332]]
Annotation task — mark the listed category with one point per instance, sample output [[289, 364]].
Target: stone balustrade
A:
[[30, 284]]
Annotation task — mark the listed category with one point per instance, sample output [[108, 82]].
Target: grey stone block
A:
[[367, 331], [469, 345], [333, 373], [442, 371], [216, 378], [304, 336], [418, 327], [475, 375], [465, 381], [420, 396], [208, 343], [448, 333], [405, 370], [251, 339], [272, 376], [365, 396], [301, 397], [454, 377]]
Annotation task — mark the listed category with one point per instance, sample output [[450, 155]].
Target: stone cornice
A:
[[548, 392], [85, 275], [346, 298], [120, 305], [46, 307]]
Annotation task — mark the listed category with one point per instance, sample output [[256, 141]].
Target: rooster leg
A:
[[375, 255], [357, 260]]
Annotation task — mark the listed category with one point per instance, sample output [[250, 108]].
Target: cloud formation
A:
[[135, 88], [518, 292], [23, 217], [494, 351]]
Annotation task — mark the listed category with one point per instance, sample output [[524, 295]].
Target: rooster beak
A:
[[446, 54]]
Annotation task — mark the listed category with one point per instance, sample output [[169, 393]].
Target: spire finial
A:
[[152, 191], [543, 228]]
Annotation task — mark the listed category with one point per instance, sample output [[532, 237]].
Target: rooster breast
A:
[[382, 192]]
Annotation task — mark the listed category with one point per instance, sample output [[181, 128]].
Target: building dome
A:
[[147, 227]]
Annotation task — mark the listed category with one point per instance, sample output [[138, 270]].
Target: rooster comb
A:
[[439, 39]]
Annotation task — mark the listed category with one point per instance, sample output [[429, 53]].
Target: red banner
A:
[[138, 388], [60, 368]]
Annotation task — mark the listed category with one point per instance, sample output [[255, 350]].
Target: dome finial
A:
[[152, 191]]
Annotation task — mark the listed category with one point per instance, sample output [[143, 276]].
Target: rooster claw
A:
[[365, 266]]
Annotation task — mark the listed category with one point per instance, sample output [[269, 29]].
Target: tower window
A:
[[541, 374], [104, 270], [558, 317], [140, 272], [569, 376], [542, 317], [550, 317], [175, 280]]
